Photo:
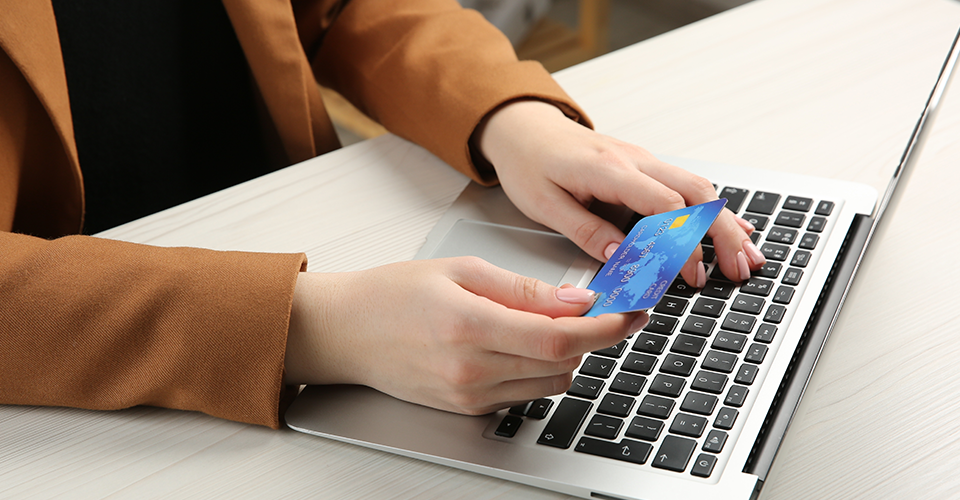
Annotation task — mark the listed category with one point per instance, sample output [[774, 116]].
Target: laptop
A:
[[693, 406]]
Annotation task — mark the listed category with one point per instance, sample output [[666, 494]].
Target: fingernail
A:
[[754, 253], [743, 267], [746, 225], [576, 295], [611, 248], [701, 275], [639, 322]]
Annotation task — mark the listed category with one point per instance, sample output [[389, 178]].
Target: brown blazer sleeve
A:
[[101, 324], [428, 70]]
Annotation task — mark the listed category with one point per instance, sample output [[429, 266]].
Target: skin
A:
[[464, 336]]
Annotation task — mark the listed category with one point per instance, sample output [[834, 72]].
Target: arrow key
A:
[[674, 453]]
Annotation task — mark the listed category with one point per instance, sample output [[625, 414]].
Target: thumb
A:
[[522, 293]]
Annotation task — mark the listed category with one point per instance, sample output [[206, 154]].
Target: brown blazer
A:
[[92, 323]]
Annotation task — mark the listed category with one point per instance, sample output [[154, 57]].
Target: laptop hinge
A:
[[805, 358]]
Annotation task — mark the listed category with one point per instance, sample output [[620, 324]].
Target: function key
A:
[[784, 294], [735, 197], [704, 465], [566, 421], [798, 203], [758, 221], [736, 396], [790, 219], [725, 418], [715, 441], [763, 203], [774, 314], [824, 208], [792, 276], [801, 258], [765, 333], [809, 241], [817, 224]]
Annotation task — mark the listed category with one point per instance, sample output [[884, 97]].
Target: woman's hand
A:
[[456, 334], [552, 168]]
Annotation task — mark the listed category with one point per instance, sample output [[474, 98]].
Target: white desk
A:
[[829, 87]]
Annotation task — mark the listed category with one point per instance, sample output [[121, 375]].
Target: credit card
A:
[[649, 259]]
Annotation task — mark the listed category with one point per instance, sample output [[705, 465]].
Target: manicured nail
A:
[[576, 295], [608, 252], [753, 253], [743, 267], [640, 322], [746, 225], [701, 275]]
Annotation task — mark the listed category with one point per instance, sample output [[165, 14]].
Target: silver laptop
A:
[[696, 404]]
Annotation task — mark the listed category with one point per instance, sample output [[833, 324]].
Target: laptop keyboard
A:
[[677, 389]]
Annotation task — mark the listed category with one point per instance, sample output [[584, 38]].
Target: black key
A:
[[824, 208], [681, 289], [784, 294], [566, 421], [775, 252], [626, 450], [698, 402], [656, 407], [747, 304], [650, 343], [604, 427], [746, 374], [521, 410], [798, 203], [704, 465], [708, 307], [801, 258], [674, 453], [792, 276], [508, 426], [757, 286], [809, 241], [698, 325], [718, 289], [686, 344], [708, 381], [765, 333], [665, 385], [736, 396], [730, 342], [678, 365], [672, 306], [644, 428], [625, 383], [616, 405], [639, 363], [715, 441], [763, 203], [708, 254], [719, 361], [726, 418], [735, 197], [790, 219], [739, 323], [774, 314], [768, 270], [755, 237], [758, 221], [782, 235], [585, 387], [539, 408], [688, 425], [614, 351], [817, 224], [756, 353], [597, 366], [661, 324]]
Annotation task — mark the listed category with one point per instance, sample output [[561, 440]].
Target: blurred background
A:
[[558, 33]]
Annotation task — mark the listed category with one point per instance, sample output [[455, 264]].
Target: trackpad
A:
[[537, 254]]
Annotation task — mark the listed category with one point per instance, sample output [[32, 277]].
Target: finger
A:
[[736, 253], [519, 292], [693, 271], [514, 392]]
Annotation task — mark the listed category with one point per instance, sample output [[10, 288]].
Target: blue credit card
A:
[[649, 259]]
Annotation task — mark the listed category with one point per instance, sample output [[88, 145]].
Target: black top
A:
[[163, 104]]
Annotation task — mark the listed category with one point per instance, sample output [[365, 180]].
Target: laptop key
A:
[[757, 286], [680, 288], [792, 276], [772, 251], [769, 270], [566, 421], [740, 323], [644, 428], [698, 326], [736, 396], [747, 304], [650, 343], [639, 363], [665, 385], [661, 324], [674, 453], [597, 367], [616, 405], [719, 361], [708, 307], [824, 208], [817, 224], [704, 465], [718, 289], [625, 383], [798, 203], [672, 306], [585, 387], [678, 365], [687, 344], [539, 408], [759, 222], [604, 427], [508, 426], [708, 381], [715, 441], [627, 450], [726, 418], [790, 219], [688, 425], [614, 351], [764, 203], [699, 403], [735, 197], [656, 407]]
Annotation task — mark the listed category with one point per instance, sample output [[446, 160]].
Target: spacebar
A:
[[566, 421]]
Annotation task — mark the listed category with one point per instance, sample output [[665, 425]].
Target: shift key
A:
[[565, 422]]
